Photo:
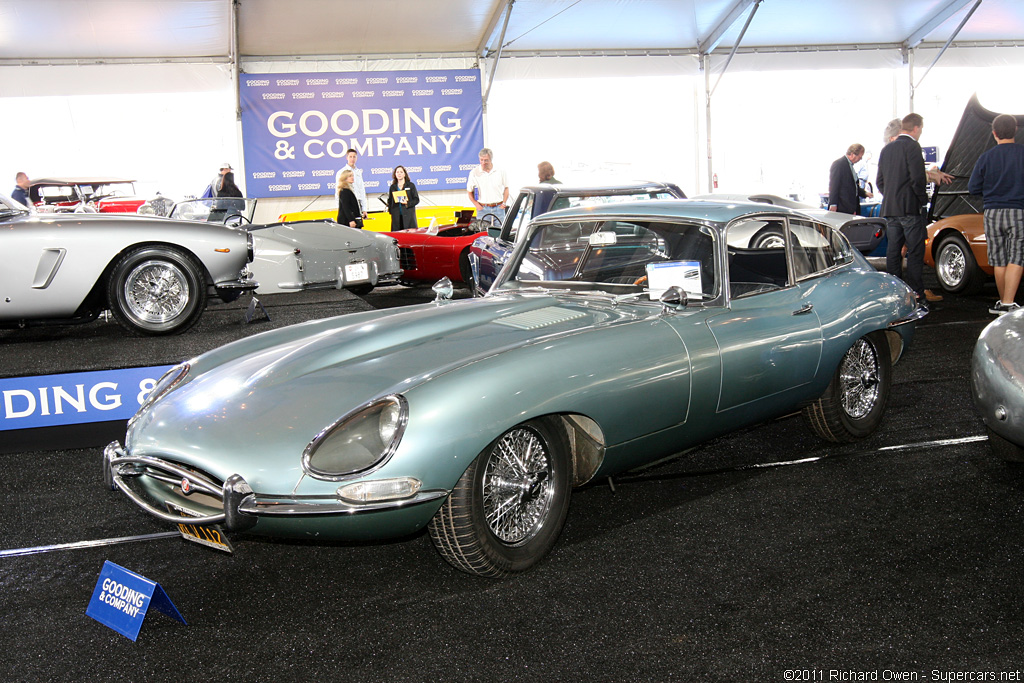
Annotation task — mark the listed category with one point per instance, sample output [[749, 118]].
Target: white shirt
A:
[[492, 185], [358, 189]]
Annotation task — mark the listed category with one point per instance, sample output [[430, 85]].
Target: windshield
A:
[[232, 211], [617, 257]]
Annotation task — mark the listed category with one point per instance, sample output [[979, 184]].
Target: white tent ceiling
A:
[[56, 31]]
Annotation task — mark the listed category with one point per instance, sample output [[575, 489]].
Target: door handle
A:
[[806, 308]]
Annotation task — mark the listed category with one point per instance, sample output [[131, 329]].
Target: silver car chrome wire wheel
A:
[[858, 376], [853, 404], [156, 291], [517, 490], [508, 508]]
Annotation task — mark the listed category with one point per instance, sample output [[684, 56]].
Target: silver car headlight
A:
[[170, 379], [359, 441]]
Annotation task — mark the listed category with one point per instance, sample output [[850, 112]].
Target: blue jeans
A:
[[909, 231], [497, 211]]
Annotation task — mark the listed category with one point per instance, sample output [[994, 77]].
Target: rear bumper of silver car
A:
[[241, 507]]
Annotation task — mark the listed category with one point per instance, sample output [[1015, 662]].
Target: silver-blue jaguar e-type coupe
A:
[[614, 336]]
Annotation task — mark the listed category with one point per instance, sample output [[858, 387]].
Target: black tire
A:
[[956, 269], [1003, 449], [853, 405], [465, 270], [361, 290], [768, 238], [472, 537], [157, 290]]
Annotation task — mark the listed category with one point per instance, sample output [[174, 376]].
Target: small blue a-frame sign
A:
[[122, 598]]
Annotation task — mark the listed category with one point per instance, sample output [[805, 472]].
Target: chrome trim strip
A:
[[243, 285], [918, 313], [265, 508]]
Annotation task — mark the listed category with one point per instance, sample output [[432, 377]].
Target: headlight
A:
[[170, 379], [359, 441]]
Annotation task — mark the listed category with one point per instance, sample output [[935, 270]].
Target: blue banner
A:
[[297, 128], [75, 398]]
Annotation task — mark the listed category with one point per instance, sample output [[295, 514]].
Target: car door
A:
[[769, 336]]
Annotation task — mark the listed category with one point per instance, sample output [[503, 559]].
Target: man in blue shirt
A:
[[20, 192], [999, 178]]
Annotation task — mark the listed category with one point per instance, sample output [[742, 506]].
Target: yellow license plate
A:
[[212, 536]]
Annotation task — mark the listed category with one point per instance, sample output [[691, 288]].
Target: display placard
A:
[[122, 598], [297, 128]]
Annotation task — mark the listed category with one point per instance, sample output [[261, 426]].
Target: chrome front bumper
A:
[[242, 508]]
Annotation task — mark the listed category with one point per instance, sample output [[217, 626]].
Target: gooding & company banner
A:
[[297, 128]]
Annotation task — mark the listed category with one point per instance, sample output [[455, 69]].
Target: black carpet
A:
[[897, 556]]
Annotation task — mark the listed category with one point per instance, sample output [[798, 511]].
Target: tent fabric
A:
[[47, 30]]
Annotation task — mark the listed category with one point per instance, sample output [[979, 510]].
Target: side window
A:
[[816, 248], [522, 216], [757, 256]]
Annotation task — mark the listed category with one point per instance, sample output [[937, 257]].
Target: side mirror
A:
[[494, 231], [673, 298]]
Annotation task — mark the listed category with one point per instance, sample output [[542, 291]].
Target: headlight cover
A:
[[360, 441], [170, 379]]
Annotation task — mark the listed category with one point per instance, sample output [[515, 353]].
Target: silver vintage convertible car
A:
[[304, 254], [153, 274], [615, 336]]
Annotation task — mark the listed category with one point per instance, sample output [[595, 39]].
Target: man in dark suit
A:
[[901, 180], [844, 192]]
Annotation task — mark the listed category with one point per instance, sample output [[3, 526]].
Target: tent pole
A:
[[497, 56], [236, 86], [948, 43], [705, 66]]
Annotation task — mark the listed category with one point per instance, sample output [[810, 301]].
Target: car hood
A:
[[274, 392], [319, 235], [972, 138]]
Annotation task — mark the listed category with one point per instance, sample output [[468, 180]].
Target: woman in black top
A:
[[227, 188], [348, 206], [402, 207]]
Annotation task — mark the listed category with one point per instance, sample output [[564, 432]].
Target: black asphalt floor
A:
[[765, 555]]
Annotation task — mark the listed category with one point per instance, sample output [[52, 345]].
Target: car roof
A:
[[79, 180], [701, 210]]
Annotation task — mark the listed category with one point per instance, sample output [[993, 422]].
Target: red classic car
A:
[[428, 254], [93, 194]]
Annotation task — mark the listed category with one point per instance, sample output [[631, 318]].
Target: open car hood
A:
[[972, 138]]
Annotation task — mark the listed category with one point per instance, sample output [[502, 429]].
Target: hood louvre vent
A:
[[542, 317]]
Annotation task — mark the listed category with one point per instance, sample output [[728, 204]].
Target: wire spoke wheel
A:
[[156, 291], [858, 379], [517, 489], [854, 402], [509, 506]]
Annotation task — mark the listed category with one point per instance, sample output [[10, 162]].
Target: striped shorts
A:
[[1004, 232]]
